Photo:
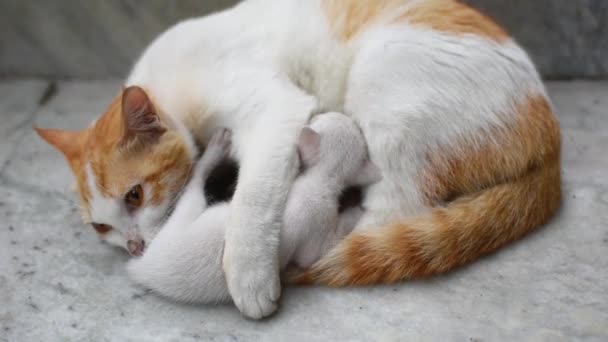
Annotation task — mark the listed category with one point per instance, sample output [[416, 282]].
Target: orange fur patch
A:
[[70, 143], [493, 194], [453, 17], [163, 166], [351, 17], [529, 142]]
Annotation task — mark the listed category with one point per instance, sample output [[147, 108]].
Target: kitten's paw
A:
[[255, 288], [218, 147], [217, 150]]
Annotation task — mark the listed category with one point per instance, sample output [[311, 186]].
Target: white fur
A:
[[311, 224], [183, 262], [264, 67]]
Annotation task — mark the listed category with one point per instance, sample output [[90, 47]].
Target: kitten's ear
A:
[[67, 142], [140, 119], [308, 146], [368, 174]]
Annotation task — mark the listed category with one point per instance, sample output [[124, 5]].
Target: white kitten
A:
[[184, 261]]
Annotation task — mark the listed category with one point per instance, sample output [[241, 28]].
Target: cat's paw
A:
[[255, 287]]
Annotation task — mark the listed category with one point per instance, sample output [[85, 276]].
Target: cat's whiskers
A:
[[178, 195]]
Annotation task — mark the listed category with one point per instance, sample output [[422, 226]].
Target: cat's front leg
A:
[[268, 161]]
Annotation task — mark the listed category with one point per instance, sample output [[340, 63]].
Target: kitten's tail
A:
[[446, 238]]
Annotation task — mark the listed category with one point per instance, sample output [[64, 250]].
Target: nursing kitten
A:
[[452, 109], [183, 262]]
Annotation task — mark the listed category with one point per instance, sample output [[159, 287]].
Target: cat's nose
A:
[[136, 247]]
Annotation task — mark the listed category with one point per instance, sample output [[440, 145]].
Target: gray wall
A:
[[101, 38], [566, 38]]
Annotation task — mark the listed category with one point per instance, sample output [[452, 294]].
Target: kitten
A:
[[453, 112], [183, 262]]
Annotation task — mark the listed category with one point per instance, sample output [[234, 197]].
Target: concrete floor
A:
[[58, 283]]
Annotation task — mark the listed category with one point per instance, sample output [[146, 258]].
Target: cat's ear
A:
[[140, 120], [67, 142], [309, 145], [368, 174]]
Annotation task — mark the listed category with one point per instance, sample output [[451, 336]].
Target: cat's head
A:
[[129, 165]]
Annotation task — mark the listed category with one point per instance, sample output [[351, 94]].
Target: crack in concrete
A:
[[49, 93], [51, 90]]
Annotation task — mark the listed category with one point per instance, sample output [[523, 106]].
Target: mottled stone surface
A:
[[58, 283], [17, 109], [101, 38]]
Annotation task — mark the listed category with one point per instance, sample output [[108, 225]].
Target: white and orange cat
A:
[[452, 109]]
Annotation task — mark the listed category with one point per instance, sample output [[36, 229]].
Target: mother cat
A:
[[453, 111]]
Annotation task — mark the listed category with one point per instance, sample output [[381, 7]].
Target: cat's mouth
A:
[[136, 247]]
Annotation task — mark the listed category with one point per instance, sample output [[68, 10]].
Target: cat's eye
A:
[[101, 228], [135, 197]]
